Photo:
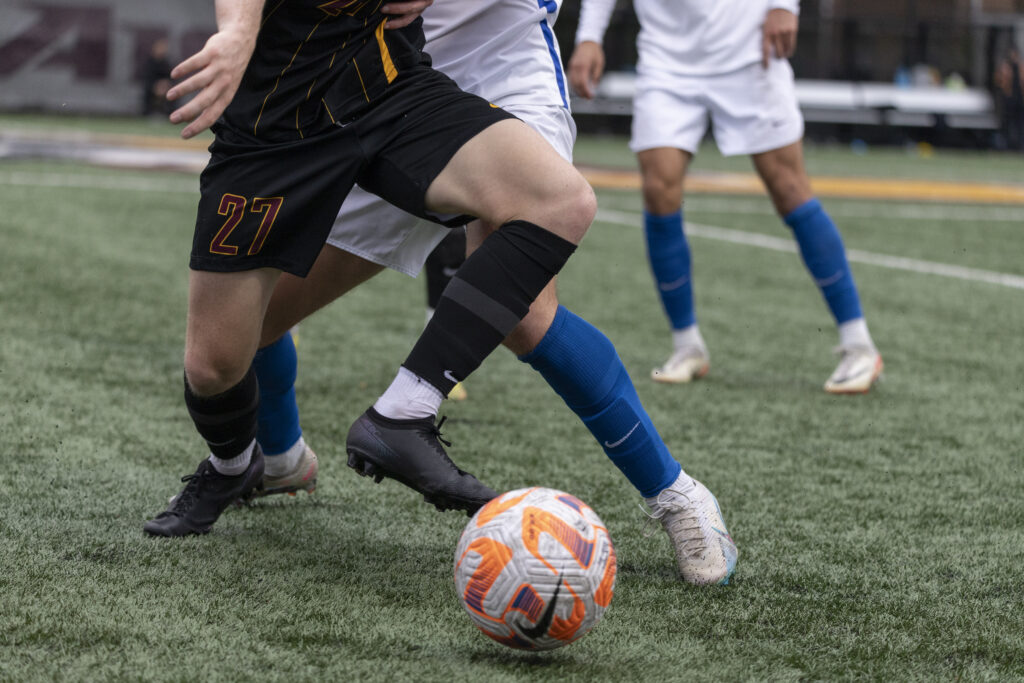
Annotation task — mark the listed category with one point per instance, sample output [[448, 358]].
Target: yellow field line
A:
[[827, 186]]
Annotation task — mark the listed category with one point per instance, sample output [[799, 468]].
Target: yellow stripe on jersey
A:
[[385, 55], [278, 81], [361, 81]]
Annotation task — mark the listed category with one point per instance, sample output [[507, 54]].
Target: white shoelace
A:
[[684, 529]]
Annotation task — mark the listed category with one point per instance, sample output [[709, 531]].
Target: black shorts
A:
[[272, 205]]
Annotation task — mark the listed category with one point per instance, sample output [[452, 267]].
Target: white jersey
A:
[[502, 50], [689, 37]]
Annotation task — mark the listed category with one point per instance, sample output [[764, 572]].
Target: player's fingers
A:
[[406, 6], [790, 43], [196, 82], [194, 63], [579, 77], [200, 124], [202, 101], [596, 71], [204, 115], [782, 45], [404, 13], [188, 111], [766, 49]]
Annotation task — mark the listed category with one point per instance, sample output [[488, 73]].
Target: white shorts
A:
[[752, 110], [369, 227]]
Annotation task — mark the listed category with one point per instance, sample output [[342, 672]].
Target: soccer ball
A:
[[535, 569]]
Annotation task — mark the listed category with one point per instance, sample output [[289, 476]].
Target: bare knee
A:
[[213, 373], [662, 171], [577, 209], [662, 195], [788, 192]]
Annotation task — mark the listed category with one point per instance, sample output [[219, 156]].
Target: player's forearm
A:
[[594, 18], [789, 5], [241, 17]]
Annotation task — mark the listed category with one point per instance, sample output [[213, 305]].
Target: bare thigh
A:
[[509, 172]]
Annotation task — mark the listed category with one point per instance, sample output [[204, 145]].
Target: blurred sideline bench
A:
[[841, 102]]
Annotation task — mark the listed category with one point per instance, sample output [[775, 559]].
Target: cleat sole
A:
[[364, 466]]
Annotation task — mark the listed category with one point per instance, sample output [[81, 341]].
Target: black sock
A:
[[227, 421], [448, 255], [486, 299]]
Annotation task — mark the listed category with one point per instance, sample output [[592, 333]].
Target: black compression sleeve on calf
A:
[[486, 299], [227, 421], [442, 263]]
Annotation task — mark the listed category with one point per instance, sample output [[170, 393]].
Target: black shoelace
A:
[[184, 500], [435, 430]]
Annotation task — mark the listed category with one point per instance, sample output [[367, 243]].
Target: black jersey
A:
[[317, 63]]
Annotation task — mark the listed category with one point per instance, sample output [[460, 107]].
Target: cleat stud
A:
[[378, 478]]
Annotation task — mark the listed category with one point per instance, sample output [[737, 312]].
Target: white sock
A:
[[688, 336], [855, 333], [232, 467], [684, 482], [283, 463], [408, 398]]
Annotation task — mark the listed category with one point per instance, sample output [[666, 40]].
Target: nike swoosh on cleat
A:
[[450, 377], [544, 623], [723, 534], [620, 441]]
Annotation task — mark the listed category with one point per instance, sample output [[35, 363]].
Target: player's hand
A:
[[214, 74], [405, 12], [779, 39], [586, 68]]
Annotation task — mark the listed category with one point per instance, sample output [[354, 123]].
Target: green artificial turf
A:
[[880, 536]]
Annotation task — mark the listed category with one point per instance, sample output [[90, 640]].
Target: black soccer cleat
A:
[[206, 494], [410, 451]]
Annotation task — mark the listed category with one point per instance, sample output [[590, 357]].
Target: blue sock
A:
[[669, 255], [276, 367], [581, 365], [825, 257]]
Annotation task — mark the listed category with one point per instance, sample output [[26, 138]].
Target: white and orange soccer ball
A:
[[535, 569]]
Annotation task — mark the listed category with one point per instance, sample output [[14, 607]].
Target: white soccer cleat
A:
[[301, 478], [684, 365], [689, 513], [859, 367]]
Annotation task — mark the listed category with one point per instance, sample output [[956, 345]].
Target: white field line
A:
[[843, 208], [787, 245], [99, 182]]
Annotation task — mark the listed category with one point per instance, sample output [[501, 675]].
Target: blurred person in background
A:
[[1010, 95], [156, 80]]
